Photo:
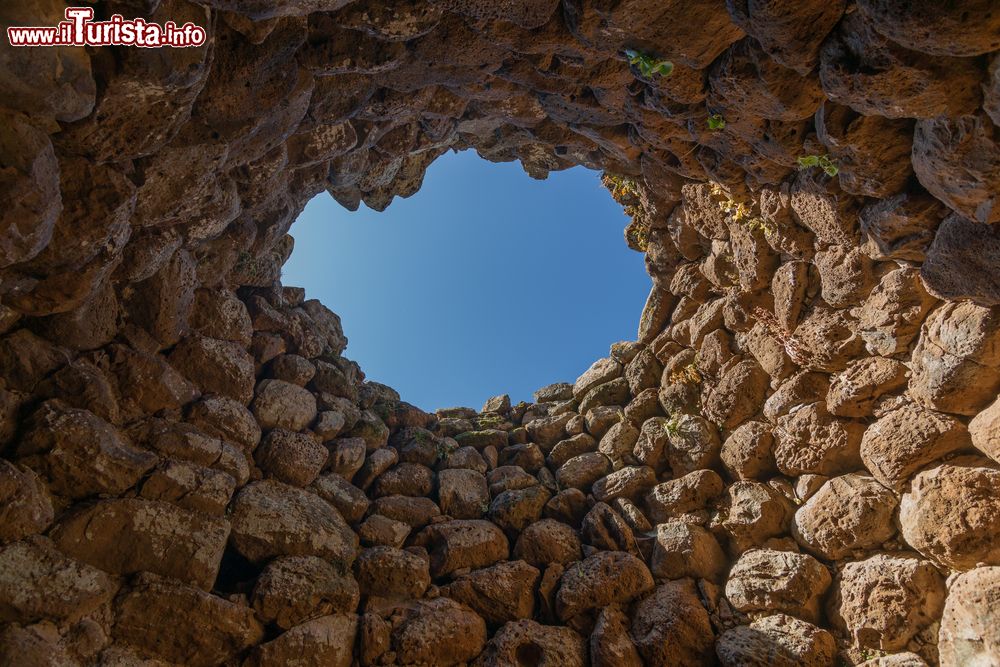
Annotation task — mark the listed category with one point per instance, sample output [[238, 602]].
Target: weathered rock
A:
[[381, 531], [129, 535], [80, 453], [501, 593], [327, 640], [454, 545], [629, 482], [580, 472], [968, 627], [601, 371], [907, 440], [776, 640], [281, 404], [882, 602], [215, 366], [515, 510], [273, 519], [405, 479], [671, 625], [293, 589], [528, 641], [605, 529], [391, 572], [38, 582], [848, 513], [439, 631], [685, 550], [548, 541], [949, 515], [954, 365], [778, 581], [954, 271], [604, 578], [464, 494], [984, 430], [748, 451], [855, 390], [692, 444], [749, 514], [610, 642], [811, 440], [350, 501], [618, 443], [415, 512], [25, 506], [190, 486], [691, 492], [292, 458], [204, 629]]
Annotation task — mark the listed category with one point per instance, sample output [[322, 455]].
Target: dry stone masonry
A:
[[796, 462]]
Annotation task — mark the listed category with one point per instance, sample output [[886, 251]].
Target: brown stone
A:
[[131, 535], [778, 581], [293, 589], [949, 515], [273, 519]]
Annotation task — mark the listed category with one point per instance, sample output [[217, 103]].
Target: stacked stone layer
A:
[[797, 462]]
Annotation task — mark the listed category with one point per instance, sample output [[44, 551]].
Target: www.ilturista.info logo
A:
[[79, 29]]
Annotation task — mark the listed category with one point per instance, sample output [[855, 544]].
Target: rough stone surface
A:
[[950, 514], [274, 519], [883, 602], [778, 581], [969, 625], [847, 514], [159, 383], [776, 640]]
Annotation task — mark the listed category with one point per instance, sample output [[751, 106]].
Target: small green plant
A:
[[741, 213], [486, 421], [444, 449], [637, 236], [623, 190], [648, 65], [716, 121], [822, 161], [689, 374], [872, 653], [673, 426]]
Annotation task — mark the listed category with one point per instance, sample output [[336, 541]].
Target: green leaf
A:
[[716, 121], [664, 68], [808, 161]]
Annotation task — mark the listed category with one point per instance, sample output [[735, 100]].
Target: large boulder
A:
[[950, 514], [883, 602], [38, 582], [273, 519], [969, 626], [671, 626], [526, 641], [80, 453], [956, 363], [778, 581], [293, 589], [776, 641], [908, 439], [204, 629], [130, 535], [847, 514], [599, 580]]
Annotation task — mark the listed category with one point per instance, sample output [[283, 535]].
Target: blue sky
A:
[[484, 282]]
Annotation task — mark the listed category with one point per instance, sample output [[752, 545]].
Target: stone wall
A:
[[795, 463]]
